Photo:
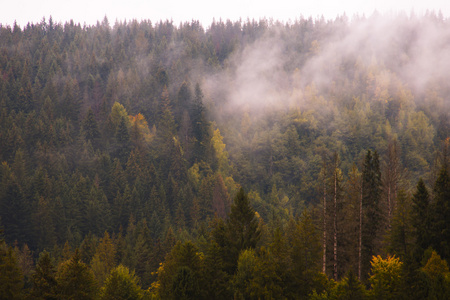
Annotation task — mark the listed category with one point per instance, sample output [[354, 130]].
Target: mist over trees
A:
[[245, 159]]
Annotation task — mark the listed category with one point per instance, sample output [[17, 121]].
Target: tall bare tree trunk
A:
[[389, 207], [391, 178], [335, 266], [324, 245], [324, 241], [360, 233]]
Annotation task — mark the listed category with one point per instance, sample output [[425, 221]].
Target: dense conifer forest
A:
[[241, 160]]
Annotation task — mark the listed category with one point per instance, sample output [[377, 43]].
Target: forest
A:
[[250, 159]]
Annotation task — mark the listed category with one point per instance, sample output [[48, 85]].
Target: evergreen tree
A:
[[44, 281], [200, 128], [88, 248], [305, 255], [11, 283], [247, 266], [76, 280], [70, 102], [166, 122], [216, 280], [180, 275], [350, 288], [45, 229], [143, 252], [123, 141], [14, 210], [241, 231], [372, 216], [104, 259], [90, 127], [121, 284], [440, 212], [401, 230], [184, 98], [437, 272], [351, 223], [184, 285], [421, 221], [271, 276]]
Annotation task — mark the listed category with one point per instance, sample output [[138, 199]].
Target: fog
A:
[[270, 73]]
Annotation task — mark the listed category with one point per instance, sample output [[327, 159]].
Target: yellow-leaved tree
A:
[[386, 277], [139, 129]]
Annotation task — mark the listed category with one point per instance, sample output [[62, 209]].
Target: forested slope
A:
[[248, 159]]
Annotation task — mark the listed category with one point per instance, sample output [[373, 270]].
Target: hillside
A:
[[258, 159]]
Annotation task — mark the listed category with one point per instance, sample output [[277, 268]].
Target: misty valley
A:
[[252, 159]]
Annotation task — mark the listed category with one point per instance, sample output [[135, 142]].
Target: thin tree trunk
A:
[[360, 234], [389, 206], [335, 267], [324, 268], [391, 179]]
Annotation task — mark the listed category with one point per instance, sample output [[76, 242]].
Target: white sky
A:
[[91, 11]]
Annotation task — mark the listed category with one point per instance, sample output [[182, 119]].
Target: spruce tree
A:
[[121, 284], [44, 278], [200, 127], [421, 220], [10, 275], [401, 228], [90, 127], [242, 229], [76, 280], [440, 209], [123, 141], [372, 215]]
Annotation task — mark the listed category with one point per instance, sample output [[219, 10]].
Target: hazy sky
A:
[[90, 11]]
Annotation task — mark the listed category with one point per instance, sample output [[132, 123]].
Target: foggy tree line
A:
[[242, 160]]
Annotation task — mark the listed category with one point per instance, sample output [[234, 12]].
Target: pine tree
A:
[[121, 284], [123, 141], [372, 216], [88, 248], [179, 277], [440, 212], [90, 127], [242, 230], [184, 98], [14, 211], [305, 255], [351, 223], [216, 283], [200, 128], [11, 283], [104, 259], [143, 251], [400, 233], [437, 273], [76, 280], [350, 288], [421, 221], [185, 285], [247, 266], [166, 121], [70, 102], [44, 281]]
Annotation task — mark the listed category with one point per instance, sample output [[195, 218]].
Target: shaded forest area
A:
[[247, 160]]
